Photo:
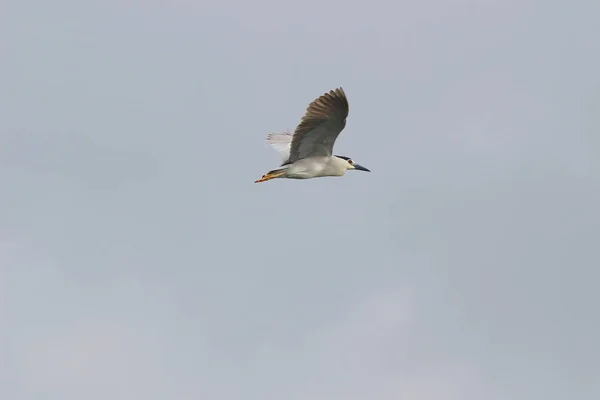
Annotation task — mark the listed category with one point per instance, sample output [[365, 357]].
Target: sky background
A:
[[138, 260]]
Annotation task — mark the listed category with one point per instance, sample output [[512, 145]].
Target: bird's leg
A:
[[278, 173]]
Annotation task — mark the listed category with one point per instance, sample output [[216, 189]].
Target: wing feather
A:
[[324, 120], [281, 141]]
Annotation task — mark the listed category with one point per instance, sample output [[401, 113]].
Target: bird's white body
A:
[[315, 167], [308, 152]]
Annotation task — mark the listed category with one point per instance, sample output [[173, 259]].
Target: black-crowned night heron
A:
[[308, 152]]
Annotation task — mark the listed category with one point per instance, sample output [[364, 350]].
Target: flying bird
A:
[[308, 152]]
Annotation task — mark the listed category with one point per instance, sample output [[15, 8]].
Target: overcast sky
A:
[[138, 260]]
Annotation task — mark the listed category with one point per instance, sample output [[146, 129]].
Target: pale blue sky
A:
[[139, 260]]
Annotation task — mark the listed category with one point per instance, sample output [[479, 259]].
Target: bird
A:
[[308, 151]]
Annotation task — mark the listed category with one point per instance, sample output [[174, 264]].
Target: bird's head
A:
[[350, 164]]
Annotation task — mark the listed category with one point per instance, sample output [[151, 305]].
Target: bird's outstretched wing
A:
[[281, 141], [322, 123]]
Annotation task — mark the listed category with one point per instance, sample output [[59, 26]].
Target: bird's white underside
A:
[[316, 166]]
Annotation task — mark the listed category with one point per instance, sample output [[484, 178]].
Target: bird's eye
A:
[[350, 162]]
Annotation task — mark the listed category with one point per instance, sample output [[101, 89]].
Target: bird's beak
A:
[[361, 168]]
